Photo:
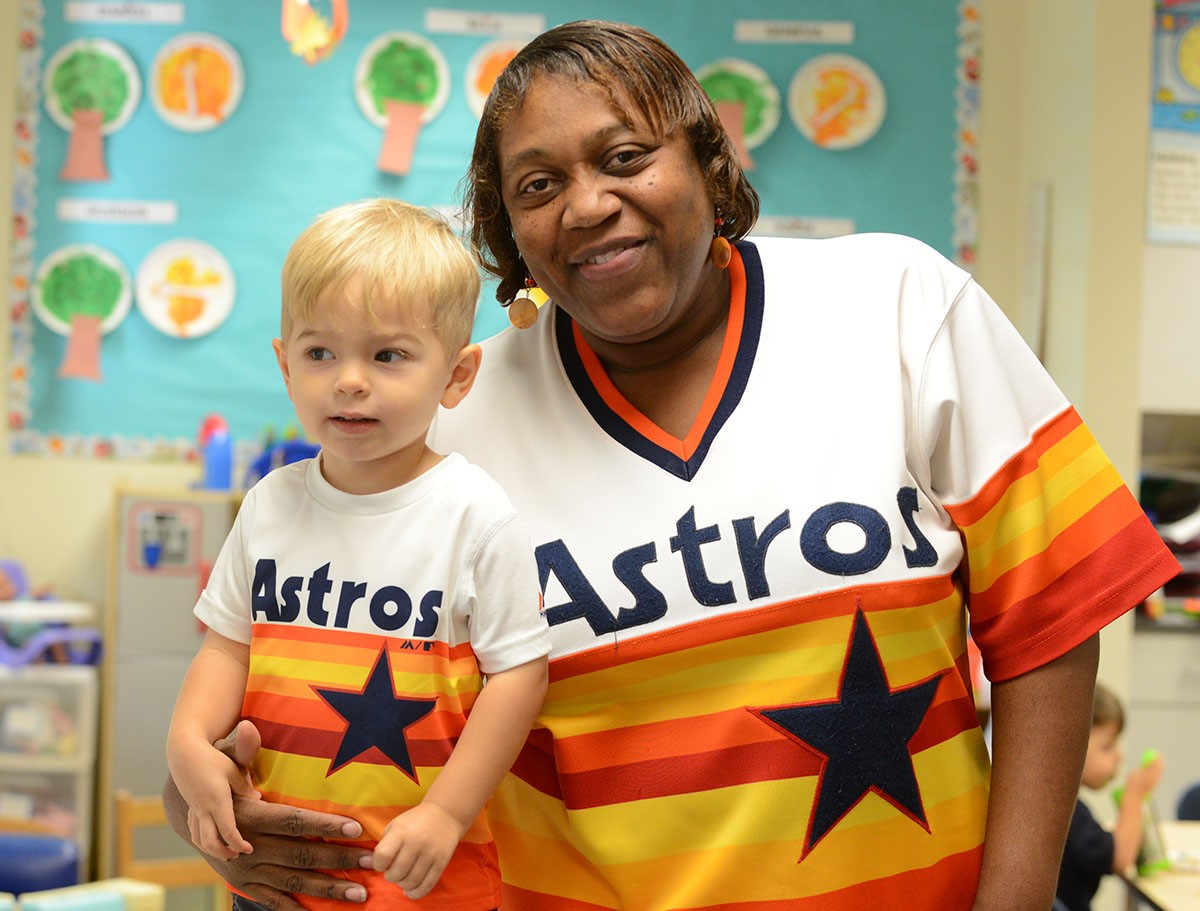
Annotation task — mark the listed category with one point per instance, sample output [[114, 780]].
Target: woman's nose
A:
[[589, 203]]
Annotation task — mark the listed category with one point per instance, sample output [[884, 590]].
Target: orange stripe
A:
[[1136, 564], [716, 389], [1024, 462], [1108, 517], [884, 596], [321, 640], [949, 884]]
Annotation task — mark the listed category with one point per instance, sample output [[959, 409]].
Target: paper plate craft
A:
[[92, 88], [483, 68], [836, 101], [401, 83], [185, 288], [310, 35], [746, 100], [196, 81], [83, 292]]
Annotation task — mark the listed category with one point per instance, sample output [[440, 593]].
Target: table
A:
[[1176, 889]]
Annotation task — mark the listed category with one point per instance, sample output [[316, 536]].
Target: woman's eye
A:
[[538, 185], [625, 157]]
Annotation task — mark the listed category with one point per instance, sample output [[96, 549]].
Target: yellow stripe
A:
[[1012, 533], [752, 670], [353, 785], [344, 676], [954, 794]]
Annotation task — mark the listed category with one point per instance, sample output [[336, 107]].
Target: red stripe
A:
[[301, 741], [769, 757], [1134, 559], [1077, 542]]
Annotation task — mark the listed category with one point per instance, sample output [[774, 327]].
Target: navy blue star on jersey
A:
[[376, 717], [863, 736]]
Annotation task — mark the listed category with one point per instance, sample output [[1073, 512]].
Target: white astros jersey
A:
[[370, 619], [759, 689]]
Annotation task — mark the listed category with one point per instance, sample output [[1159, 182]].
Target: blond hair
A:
[[397, 252], [1107, 708]]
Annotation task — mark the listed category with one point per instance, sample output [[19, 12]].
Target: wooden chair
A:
[[136, 813]]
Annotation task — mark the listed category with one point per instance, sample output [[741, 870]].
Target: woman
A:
[[754, 478]]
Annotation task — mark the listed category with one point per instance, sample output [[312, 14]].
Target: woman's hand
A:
[[285, 859]]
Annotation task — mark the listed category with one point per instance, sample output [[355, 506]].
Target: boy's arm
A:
[[418, 844], [1041, 726], [209, 705], [1127, 833]]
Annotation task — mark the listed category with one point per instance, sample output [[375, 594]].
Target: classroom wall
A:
[[1065, 89]]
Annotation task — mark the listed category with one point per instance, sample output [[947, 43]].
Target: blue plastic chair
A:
[[32, 862], [1189, 804]]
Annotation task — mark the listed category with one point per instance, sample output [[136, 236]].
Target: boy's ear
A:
[[281, 357], [462, 377]]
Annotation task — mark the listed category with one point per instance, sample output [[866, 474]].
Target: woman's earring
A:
[[720, 252], [523, 309]]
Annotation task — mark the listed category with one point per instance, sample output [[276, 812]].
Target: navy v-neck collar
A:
[[633, 430]]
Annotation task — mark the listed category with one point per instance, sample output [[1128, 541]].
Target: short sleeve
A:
[[507, 626], [1057, 545]]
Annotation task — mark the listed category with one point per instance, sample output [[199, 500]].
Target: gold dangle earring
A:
[[720, 252], [523, 309]]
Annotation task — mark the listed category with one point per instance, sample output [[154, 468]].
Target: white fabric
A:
[[881, 366], [451, 530]]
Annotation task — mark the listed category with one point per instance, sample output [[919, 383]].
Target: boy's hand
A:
[[415, 848], [211, 782], [1144, 779]]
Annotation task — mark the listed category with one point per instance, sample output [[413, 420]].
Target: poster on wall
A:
[[1173, 194], [204, 137]]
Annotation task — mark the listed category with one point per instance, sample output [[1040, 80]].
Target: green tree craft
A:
[[727, 85], [82, 291], [402, 72], [90, 80]]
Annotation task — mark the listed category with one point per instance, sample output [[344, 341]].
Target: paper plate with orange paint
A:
[[185, 288], [196, 83], [837, 101], [483, 68]]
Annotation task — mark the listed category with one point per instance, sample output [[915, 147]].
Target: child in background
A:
[[364, 596], [1092, 851]]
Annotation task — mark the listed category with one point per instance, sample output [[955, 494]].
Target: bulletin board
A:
[[1173, 193], [207, 179]]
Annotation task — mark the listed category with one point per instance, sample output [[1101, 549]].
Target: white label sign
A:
[[792, 31], [137, 13], [118, 211], [799, 226], [462, 22]]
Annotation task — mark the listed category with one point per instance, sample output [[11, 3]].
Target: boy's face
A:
[[367, 389], [1103, 756]]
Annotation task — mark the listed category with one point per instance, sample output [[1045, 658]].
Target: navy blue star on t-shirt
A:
[[376, 717], [863, 736]]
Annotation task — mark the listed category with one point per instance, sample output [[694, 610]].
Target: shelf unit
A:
[[48, 750]]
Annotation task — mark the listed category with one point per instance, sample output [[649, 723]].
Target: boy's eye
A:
[[390, 357], [318, 354]]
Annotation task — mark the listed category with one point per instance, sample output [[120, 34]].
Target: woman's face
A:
[[613, 223]]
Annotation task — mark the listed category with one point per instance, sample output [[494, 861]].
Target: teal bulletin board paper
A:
[[298, 144]]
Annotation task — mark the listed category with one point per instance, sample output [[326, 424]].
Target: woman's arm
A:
[[1040, 734], [285, 859]]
